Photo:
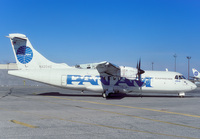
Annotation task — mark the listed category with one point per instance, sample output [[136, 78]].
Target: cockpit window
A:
[[183, 77], [179, 77]]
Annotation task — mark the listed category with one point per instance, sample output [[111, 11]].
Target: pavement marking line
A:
[[99, 125], [92, 102], [24, 124], [132, 116], [155, 133], [129, 115], [141, 118]]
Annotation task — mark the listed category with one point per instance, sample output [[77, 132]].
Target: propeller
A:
[[139, 70]]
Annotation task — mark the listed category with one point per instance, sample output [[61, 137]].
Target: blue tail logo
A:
[[196, 73], [24, 54]]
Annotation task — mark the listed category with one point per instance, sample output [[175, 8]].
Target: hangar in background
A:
[[8, 66]]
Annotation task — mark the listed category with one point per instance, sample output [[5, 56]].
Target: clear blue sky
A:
[[118, 31]]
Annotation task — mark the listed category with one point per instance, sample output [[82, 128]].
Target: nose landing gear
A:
[[181, 94]]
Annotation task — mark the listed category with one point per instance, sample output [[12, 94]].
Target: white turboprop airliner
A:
[[102, 77]]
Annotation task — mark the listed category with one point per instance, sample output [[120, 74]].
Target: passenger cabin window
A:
[[176, 77]]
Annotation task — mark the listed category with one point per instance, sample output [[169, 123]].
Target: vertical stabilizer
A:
[[196, 73], [27, 57]]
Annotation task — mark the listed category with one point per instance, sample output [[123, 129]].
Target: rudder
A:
[[196, 73]]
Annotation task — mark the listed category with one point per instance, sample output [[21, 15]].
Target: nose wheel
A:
[[181, 94]]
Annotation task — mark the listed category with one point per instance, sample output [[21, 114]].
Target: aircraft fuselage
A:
[[91, 79]]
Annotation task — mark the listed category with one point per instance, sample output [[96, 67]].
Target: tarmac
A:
[[44, 112]]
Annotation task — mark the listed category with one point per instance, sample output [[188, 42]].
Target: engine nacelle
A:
[[128, 72]]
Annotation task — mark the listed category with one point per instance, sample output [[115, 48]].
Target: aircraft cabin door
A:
[[63, 80]]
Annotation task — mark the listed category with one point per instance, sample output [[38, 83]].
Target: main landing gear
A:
[[106, 94]]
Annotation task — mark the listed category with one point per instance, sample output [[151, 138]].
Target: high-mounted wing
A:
[[108, 68], [102, 67]]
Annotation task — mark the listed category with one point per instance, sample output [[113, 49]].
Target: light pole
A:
[[175, 56], [152, 65], [188, 57]]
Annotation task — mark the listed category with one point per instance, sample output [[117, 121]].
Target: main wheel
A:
[[104, 95]]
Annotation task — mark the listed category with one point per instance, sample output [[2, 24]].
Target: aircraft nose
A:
[[193, 86]]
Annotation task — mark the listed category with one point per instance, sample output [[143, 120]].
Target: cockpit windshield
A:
[[179, 77]]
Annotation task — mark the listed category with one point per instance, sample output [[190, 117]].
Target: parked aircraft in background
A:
[[196, 76], [103, 77], [196, 73]]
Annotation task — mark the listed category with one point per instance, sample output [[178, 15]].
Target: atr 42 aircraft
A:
[[103, 77]]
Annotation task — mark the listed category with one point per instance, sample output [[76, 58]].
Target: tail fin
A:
[[27, 57], [196, 73]]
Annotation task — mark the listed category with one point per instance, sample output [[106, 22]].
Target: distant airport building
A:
[[8, 66], [8, 80]]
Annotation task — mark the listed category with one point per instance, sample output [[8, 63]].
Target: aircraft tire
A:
[[104, 95]]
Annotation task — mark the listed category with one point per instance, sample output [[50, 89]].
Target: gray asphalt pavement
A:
[[49, 112]]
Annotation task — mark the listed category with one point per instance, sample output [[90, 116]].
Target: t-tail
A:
[[196, 73], [27, 57]]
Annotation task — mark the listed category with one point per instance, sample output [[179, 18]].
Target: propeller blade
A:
[[139, 64], [139, 77], [139, 70]]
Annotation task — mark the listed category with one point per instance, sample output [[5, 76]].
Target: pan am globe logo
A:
[[24, 54], [196, 73]]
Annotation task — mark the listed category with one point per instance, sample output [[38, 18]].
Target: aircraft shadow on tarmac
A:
[[112, 96]]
